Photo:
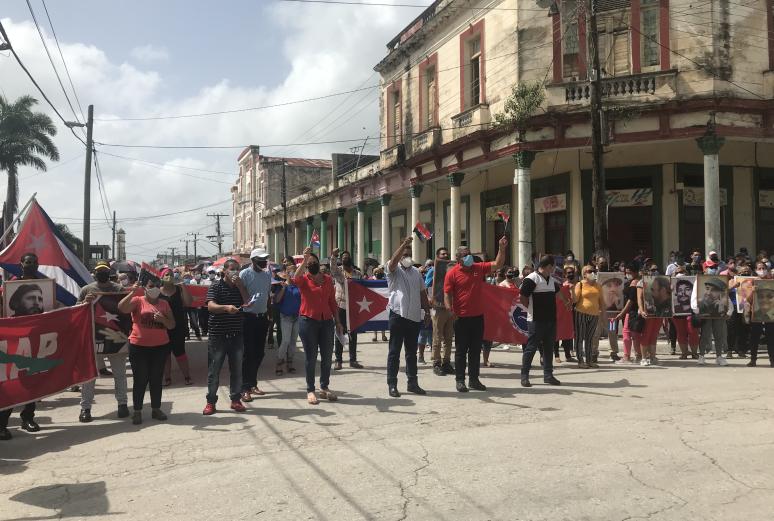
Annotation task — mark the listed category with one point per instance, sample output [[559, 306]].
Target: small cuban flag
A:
[[315, 242], [422, 233], [505, 217]]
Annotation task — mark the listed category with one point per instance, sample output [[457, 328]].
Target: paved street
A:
[[675, 441]]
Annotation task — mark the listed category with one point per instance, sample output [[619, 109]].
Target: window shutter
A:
[[612, 5], [621, 54]]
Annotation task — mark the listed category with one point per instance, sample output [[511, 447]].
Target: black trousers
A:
[[402, 332], [204, 320], [756, 331], [256, 327], [27, 414], [468, 337], [339, 349], [147, 371]]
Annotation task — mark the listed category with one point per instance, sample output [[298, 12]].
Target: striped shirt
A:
[[225, 324], [542, 297]]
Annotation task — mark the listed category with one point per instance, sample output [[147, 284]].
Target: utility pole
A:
[[113, 251], [87, 188], [597, 151], [173, 255], [285, 209], [218, 236], [195, 241], [186, 250]]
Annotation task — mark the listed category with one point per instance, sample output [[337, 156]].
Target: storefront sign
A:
[[491, 211], [632, 197], [694, 196], [766, 198], [552, 203]]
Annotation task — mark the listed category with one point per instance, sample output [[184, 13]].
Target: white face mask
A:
[[152, 293], [761, 273], [407, 262]]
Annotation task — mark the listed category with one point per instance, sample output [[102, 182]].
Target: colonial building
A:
[[259, 186], [688, 129]]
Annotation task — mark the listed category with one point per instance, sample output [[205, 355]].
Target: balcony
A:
[[427, 140], [472, 120], [640, 87], [392, 157]]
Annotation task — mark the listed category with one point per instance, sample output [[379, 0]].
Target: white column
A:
[[277, 245], [710, 145], [297, 242], [386, 248], [360, 246], [415, 192], [512, 228], [455, 181], [523, 178]]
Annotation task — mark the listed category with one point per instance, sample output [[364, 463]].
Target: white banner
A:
[[694, 196], [631, 197], [552, 203]]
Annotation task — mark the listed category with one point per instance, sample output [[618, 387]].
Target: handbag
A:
[[636, 323]]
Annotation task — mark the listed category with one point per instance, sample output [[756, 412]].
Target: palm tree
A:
[[25, 140]]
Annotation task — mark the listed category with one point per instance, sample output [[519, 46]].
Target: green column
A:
[[340, 227], [324, 234], [309, 230]]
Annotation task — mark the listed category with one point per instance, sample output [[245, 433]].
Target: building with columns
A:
[[688, 117]]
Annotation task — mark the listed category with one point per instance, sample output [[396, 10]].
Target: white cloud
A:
[[328, 49], [149, 53]]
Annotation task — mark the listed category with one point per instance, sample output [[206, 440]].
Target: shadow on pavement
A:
[[68, 499]]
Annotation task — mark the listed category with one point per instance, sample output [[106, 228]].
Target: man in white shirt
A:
[[406, 304]]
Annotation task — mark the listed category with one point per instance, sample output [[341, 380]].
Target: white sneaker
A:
[[644, 362], [623, 361], [721, 361], [701, 360]]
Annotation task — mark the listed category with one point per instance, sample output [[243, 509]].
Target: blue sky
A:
[[146, 57]]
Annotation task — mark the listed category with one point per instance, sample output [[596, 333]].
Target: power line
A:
[[166, 168], [146, 217], [67, 71], [417, 6]]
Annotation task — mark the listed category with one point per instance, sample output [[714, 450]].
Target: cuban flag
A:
[[315, 242], [367, 305], [38, 235]]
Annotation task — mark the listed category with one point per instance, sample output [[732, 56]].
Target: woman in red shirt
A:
[[317, 315], [148, 344]]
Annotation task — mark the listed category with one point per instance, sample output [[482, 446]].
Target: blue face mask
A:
[[712, 271], [467, 261]]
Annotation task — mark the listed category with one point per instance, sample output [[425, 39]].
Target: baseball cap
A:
[[164, 272], [102, 265], [259, 254], [710, 264]]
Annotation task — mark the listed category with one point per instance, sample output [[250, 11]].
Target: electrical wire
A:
[[417, 6], [67, 71]]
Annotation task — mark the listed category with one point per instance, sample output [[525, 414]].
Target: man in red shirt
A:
[[462, 296]]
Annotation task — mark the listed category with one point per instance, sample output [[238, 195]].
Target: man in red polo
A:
[[462, 296]]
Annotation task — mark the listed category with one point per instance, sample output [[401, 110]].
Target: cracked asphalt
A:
[[674, 441]]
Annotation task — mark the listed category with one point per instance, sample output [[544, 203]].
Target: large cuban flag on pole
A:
[[38, 235], [367, 305]]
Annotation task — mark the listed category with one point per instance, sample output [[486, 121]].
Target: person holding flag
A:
[[340, 275], [407, 300], [462, 297]]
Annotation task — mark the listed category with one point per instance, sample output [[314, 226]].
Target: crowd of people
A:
[[248, 306]]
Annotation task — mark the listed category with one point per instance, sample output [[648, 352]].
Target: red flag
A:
[[315, 242], [504, 216], [505, 318], [422, 233], [199, 294], [150, 269], [44, 354], [364, 302]]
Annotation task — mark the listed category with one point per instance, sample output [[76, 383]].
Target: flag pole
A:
[[8, 230]]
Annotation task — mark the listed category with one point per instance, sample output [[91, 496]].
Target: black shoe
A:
[[614, 357], [5, 434], [476, 385], [157, 414], [336, 365], [551, 381], [673, 352], [85, 416], [123, 411], [525, 382], [104, 372], [571, 359], [394, 392], [438, 370], [137, 417], [461, 387], [414, 388], [30, 426], [355, 365], [447, 368], [751, 363]]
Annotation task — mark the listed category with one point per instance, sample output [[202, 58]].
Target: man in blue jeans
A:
[[224, 302], [538, 295]]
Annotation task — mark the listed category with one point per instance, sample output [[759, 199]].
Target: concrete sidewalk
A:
[[674, 441]]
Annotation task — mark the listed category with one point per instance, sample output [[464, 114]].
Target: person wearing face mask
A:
[[287, 298], [340, 275], [406, 303], [603, 326], [318, 314], [589, 304], [443, 320], [567, 344], [117, 361], [152, 318], [193, 313], [757, 330], [257, 282], [695, 267], [225, 301], [179, 299], [712, 329], [510, 280], [462, 297]]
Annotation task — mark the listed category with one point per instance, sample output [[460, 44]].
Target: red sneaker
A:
[[238, 406], [209, 409]]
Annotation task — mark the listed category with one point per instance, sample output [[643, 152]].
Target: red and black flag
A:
[[422, 233]]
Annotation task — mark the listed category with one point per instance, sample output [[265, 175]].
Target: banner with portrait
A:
[[744, 293], [712, 296], [24, 297], [681, 295], [111, 327], [763, 300], [612, 284], [657, 294]]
